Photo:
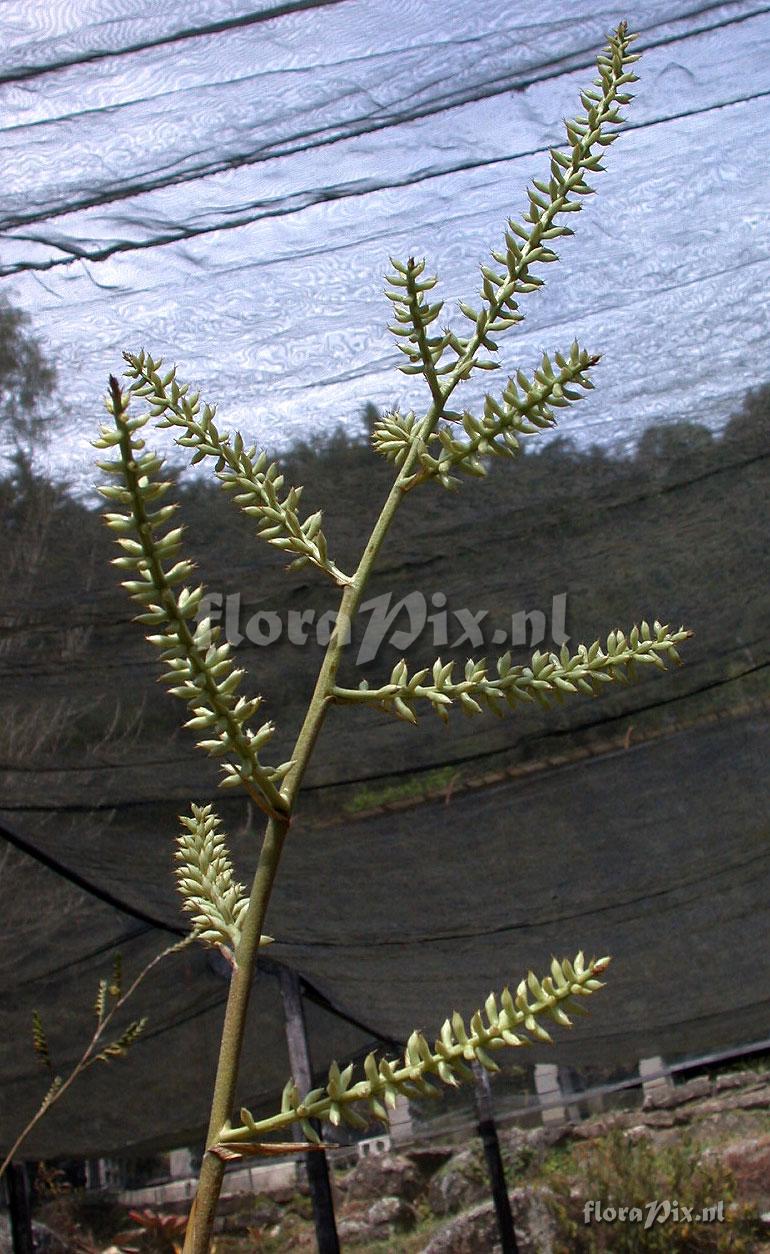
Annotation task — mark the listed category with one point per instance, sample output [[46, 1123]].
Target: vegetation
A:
[[412, 787], [103, 1046], [27, 383], [619, 1171]]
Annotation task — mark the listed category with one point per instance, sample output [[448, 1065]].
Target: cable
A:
[[191, 32], [299, 202]]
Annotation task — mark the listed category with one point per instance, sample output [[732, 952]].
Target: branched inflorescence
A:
[[205, 881], [108, 998], [199, 669], [548, 677], [515, 1021], [445, 358], [257, 483], [440, 444]]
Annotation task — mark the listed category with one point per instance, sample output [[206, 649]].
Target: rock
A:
[[352, 1230], [592, 1128], [691, 1091], [533, 1220], [460, 1183], [470, 1233], [638, 1132], [384, 1175], [548, 1135], [749, 1161], [430, 1159], [516, 1140], [477, 1230], [519, 1151], [660, 1119], [390, 1215], [737, 1080], [749, 1098]]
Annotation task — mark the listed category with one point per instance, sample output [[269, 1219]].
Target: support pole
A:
[[548, 1085], [19, 1209], [488, 1132], [316, 1164], [655, 1076]]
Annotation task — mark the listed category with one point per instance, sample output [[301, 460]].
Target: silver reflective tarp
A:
[[224, 184]]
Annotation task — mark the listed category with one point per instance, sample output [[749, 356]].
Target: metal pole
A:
[[19, 1209], [316, 1164], [488, 1132]]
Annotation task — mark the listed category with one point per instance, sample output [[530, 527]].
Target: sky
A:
[[223, 185]]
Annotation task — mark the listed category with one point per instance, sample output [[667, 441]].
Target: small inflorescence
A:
[[257, 484], [205, 881], [446, 358]]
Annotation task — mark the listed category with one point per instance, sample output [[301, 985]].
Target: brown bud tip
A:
[[601, 965]]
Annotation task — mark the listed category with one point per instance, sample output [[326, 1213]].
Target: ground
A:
[[704, 1141]]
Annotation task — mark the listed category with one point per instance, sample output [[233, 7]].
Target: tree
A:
[[27, 381]]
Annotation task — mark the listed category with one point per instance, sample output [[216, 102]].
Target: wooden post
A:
[[488, 1132], [19, 1209], [316, 1164]]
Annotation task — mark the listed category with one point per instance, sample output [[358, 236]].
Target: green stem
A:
[[200, 1225], [202, 1215], [201, 1222], [429, 368]]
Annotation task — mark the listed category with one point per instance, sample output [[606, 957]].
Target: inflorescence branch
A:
[[525, 409], [257, 483], [548, 677], [205, 881], [526, 244], [514, 1022], [111, 998], [200, 670]]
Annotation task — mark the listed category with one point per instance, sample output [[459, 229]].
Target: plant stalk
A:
[[201, 1221]]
